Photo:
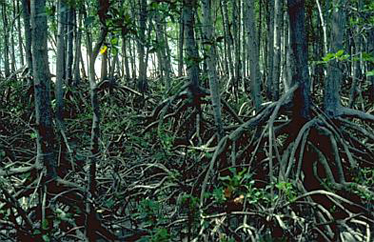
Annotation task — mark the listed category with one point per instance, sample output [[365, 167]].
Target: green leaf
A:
[[224, 178], [46, 238], [110, 203], [114, 41], [339, 53], [328, 57], [114, 51], [370, 73]]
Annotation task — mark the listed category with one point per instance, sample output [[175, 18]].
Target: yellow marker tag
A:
[[103, 49]]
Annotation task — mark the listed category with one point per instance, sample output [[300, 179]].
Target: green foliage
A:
[[89, 21], [149, 211], [157, 235], [365, 177], [338, 56], [237, 181], [242, 183], [167, 140], [370, 73], [288, 189], [342, 57]]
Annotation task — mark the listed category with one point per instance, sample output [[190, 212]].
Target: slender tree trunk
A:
[[180, 45], [69, 45], [95, 136], [6, 40], [278, 27], [104, 66], [61, 16], [113, 67], [225, 51], [192, 55], [302, 102], [236, 35], [228, 40], [371, 66], [357, 72], [77, 56], [331, 100], [244, 43], [164, 62], [132, 58], [324, 29], [270, 51], [27, 32], [253, 53], [291, 62], [142, 82], [12, 42], [20, 39], [43, 111], [210, 49], [125, 57]]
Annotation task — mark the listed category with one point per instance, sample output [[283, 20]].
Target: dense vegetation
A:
[[187, 120]]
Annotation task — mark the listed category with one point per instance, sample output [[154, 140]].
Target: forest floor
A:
[[163, 175]]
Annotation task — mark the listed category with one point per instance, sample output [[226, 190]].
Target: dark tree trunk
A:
[[210, 51], [60, 71], [6, 39], [192, 55], [43, 111], [180, 45], [69, 45], [27, 31], [253, 55], [77, 56], [142, 82], [331, 100], [20, 39], [302, 102], [270, 50]]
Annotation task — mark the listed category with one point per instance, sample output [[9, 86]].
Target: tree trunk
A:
[[210, 49], [180, 45], [164, 62], [371, 66], [253, 53], [142, 82], [302, 102], [270, 50], [69, 45], [236, 36], [104, 66], [95, 136], [125, 57], [6, 40], [228, 39], [12, 42], [244, 45], [20, 46], [333, 81], [43, 111], [77, 56], [278, 27], [61, 16], [192, 55], [27, 32]]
